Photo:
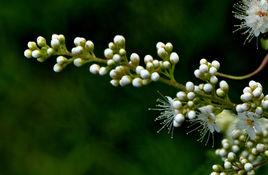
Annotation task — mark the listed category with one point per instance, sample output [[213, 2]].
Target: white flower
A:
[[206, 121], [250, 123], [167, 114], [254, 17]]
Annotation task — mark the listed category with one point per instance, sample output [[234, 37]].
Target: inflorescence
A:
[[206, 105]]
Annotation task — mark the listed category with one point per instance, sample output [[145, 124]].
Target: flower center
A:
[[249, 122], [261, 13]]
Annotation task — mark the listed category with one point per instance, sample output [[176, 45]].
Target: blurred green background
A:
[[75, 123]]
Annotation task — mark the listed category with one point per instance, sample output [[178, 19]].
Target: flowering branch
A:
[[206, 106]]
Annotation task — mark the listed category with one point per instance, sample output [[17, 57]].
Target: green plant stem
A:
[[259, 69]]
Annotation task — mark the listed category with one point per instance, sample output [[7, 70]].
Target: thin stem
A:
[[259, 69]]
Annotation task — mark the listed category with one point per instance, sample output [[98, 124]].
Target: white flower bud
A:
[[212, 70], [215, 64], [50, 51], [110, 62], [259, 110], [246, 97], [119, 40], [213, 79], [115, 83], [176, 124], [190, 103], [168, 47], [162, 53], [41, 41], [148, 58], [125, 80], [122, 52], [117, 58], [145, 74], [108, 53], [139, 69], [77, 50], [36, 53], [61, 38], [247, 89], [265, 104], [224, 85], [227, 165], [78, 62], [231, 156], [160, 45], [90, 45], [94, 68], [32, 45], [28, 53], [208, 87], [257, 92], [174, 58], [57, 68], [203, 61], [137, 82], [260, 147], [79, 41], [103, 71], [113, 74], [166, 64], [203, 68], [181, 95], [189, 86], [220, 92], [61, 59], [111, 45], [191, 115], [179, 118], [197, 73], [176, 104], [149, 65], [135, 58], [55, 43], [239, 109], [155, 76], [191, 95], [248, 166], [156, 63], [252, 84]]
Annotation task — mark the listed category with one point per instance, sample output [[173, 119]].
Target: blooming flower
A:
[[206, 121], [167, 115], [250, 123], [254, 17]]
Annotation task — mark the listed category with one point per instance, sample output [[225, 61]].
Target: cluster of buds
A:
[[41, 50], [242, 155], [124, 71], [208, 72], [253, 99]]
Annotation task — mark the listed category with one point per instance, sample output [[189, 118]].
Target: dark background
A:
[[76, 123]]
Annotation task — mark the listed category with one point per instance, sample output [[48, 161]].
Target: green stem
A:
[[259, 69]]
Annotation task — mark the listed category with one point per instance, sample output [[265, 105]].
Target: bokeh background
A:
[[75, 123]]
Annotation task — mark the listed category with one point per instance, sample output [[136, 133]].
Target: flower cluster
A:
[[242, 155], [203, 105], [253, 99]]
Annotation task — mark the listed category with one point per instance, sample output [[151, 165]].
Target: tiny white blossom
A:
[[250, 123], [206, 121], [167, 114], [254, 17]]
